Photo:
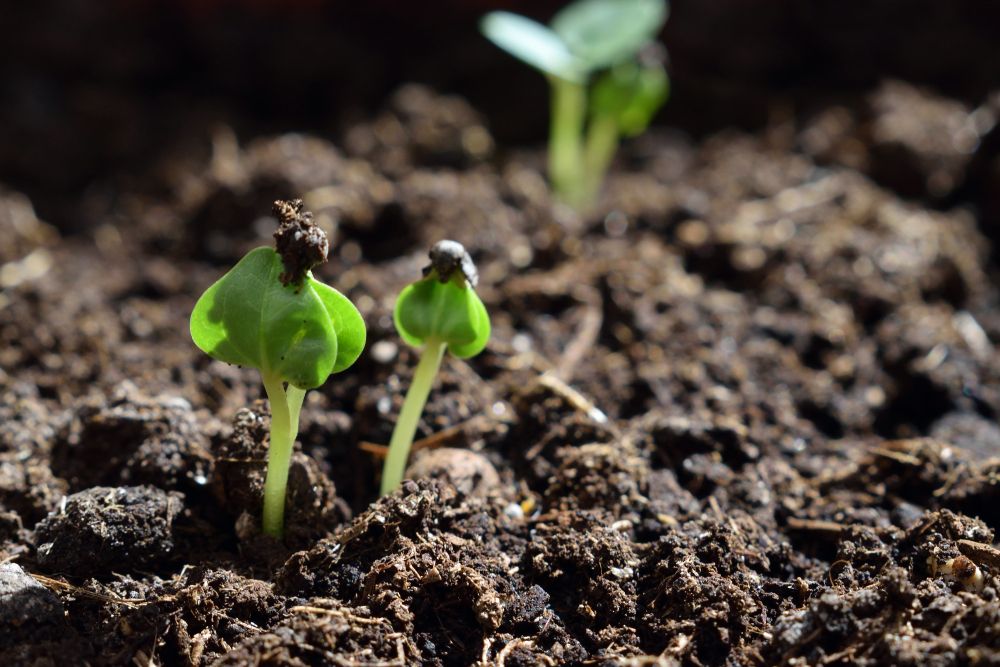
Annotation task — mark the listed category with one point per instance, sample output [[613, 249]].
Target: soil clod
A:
[[300, 242], [105, 530]]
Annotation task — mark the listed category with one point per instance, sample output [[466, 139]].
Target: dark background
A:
[[91, 89]]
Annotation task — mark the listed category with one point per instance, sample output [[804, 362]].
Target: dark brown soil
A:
[[745, 413]]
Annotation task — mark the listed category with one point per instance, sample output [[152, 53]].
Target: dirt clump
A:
[[300, 242], [470, 473], [128, 438], [107, 529], [33, 627]]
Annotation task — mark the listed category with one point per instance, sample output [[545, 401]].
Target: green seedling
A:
[[439, 312], [269, 312], [606, 76]]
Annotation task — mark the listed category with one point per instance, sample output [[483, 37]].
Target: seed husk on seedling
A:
[[269, 312], [606, 77], [439, 312]]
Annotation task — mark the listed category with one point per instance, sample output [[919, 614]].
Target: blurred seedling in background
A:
[[607, 81], [269, 312], [439, 312]]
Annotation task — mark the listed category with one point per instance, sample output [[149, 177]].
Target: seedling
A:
[[269, 312], [441, 311], [612, 40]]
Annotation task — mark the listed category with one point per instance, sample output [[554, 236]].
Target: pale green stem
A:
[[569, 110], [409, 416], [284, 428], [295, 398], [602, 142]]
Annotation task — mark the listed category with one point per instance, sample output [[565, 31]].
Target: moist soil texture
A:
[[742, 413]]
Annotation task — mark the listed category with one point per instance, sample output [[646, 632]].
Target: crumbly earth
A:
[[298, 240], [744, 413]]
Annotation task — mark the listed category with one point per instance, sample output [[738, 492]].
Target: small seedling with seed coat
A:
[[612, 39], [269, 312], [439, 312]]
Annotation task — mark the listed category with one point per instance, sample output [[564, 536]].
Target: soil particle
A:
[[417, 557], [323, 632], [28, 487], [334, 564], [548, 419], [240, 461], [599, 476], [216, 610], [470, 473], [23, 234], [300, 242], [422, 127], [906, 138], [597, 602], [129, 438], [699, 597], [450, 256], [33, 627], [104, 530], [878, 613], [27, 428]]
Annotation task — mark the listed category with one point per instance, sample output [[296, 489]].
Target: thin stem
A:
[[295, 397], [279, 455], [409, 416], [569, 109], [602, 142]]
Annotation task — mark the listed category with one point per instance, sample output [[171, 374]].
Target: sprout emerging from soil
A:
[[612, 39], [441, 311], [269, 312]]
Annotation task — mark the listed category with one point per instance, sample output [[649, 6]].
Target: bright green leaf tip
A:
[[300, 334]]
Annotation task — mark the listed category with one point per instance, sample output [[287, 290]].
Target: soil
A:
[[743, 413]]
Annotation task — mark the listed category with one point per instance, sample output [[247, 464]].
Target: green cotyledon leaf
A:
[[481, 325], [450, 312], [248, 317], [631, 94], [602, 33], [533, 43], [347, 322]]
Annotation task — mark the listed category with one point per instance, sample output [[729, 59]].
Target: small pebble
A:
[[384, 351]]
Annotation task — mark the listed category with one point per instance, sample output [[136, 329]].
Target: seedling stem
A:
[[602, 142], [569, 111], [409, 416], [285, 407], [438, 312]]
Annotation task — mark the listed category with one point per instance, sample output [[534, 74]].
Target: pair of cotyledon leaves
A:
[[298, 333], [586, 36], [304, 333], [448, 312]]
